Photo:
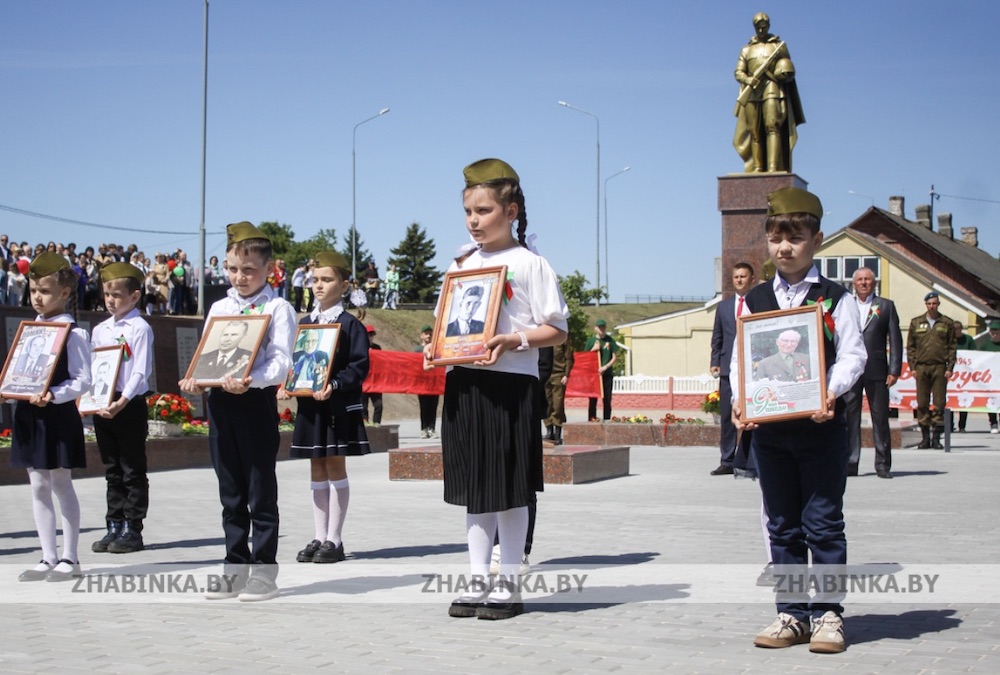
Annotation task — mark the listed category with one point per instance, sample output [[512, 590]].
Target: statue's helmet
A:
[[761, 17], [784, 70]]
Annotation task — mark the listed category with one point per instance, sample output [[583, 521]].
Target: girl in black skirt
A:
[[330, 425], [48, 433], [490, 436]]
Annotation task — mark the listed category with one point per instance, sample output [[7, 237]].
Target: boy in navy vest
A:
[[802, 463]]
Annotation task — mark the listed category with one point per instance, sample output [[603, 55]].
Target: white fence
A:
[[646, 384]]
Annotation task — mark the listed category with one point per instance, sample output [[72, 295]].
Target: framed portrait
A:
[[312, 358], [782, 364], [467, 314], [32, 359], [104, 365], [227, 348]]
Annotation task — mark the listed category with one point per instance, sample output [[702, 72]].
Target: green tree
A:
[[282, 237], [354, 246], [577, 294], [300, 251], [418, 280]]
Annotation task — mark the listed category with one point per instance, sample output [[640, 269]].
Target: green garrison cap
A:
[[428, 329], [47, 263], [994, 325], [600, 322], [793, 200], [332, 259], [486, 170], [242, 231], [121, 270]]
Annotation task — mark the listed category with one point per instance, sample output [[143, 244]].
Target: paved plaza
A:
[[671, 555]]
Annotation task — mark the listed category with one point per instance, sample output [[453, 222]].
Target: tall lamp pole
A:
[[598, 189], [354, 191], [200, 275], [607, 264]]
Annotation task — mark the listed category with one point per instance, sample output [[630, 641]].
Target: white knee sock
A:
[[44, 512], [340, 496], [513, 524], [481, 528], [69, 507], [321, 508]]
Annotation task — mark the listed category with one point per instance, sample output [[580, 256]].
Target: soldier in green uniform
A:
[[555, 390], [991, 343], [768, 109], [930, 352], [605, 345]]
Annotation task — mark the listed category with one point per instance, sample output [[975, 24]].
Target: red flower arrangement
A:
[[169, 408]]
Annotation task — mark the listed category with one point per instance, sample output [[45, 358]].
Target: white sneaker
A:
[[525, 566], [994, 429], [784, 632], [828, 634], [424, 433]]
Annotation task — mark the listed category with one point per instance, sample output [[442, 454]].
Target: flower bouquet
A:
[[711, 403], [169, 408]]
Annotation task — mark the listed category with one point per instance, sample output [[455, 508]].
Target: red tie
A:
[[739, 307]]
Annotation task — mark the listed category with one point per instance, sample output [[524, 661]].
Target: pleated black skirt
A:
[[491, 440], [320, 432], [49, 437]]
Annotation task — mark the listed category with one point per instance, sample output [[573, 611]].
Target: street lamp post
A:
[[354, 191], [607, 264], [564, 104]]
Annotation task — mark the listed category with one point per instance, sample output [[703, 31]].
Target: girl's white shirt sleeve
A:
[[78, 360]]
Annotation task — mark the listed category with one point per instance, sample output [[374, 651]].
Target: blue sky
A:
[[101, 119]]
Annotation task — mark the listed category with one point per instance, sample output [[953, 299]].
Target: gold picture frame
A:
[[227, 348], [312, 358], [467, 315], [105, 362], [782, 364], [32, 359]]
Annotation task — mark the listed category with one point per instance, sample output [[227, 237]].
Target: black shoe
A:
[[883, 473], [551, 435], [852, 469], [225, 587], [36, 575], [766, 577], [721, 470], [465, 605], [259, 588], [55, 575], [114, 529], [306, 554], [129, 541], [328, 553]]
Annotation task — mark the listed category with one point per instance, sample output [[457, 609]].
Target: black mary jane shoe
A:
[[496, 611], [36, 575], [56, 575], [306, 554]]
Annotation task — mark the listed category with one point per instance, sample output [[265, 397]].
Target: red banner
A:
[[402, 373], [584, 380]]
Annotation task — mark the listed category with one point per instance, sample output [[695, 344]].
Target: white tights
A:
[[45, 483], [482, 530]]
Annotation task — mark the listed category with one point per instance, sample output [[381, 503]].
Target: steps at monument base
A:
[[561, 465]]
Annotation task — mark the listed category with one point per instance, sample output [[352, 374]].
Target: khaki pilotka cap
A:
[[47, 263], [793, 200], [487, 170], [121, 270], [241, 231], [332, 259]]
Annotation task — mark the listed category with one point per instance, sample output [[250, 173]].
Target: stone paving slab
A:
[[940, 509]]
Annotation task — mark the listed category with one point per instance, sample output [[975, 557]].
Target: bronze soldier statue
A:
[[768, 109]]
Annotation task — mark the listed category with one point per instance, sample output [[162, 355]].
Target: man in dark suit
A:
[[229, 359], [879, 327], [723, 338], [309, 371], [32, 362], [464, 324]]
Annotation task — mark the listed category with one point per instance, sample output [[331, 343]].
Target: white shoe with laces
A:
[[828, 634]]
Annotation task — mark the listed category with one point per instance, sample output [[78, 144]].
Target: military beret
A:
[[332, 259], [994, 325], [242, 231], [428, 329], [932, 294], [121, 270], [793, 200], [47, 263], [486, 170]]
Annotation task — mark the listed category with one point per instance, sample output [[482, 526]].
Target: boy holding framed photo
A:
[[802, 463]]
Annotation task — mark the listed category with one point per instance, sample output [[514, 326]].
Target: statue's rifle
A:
[[745, 92]]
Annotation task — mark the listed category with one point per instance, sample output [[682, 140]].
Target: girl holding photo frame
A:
[[490, 435], [48, 432]]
